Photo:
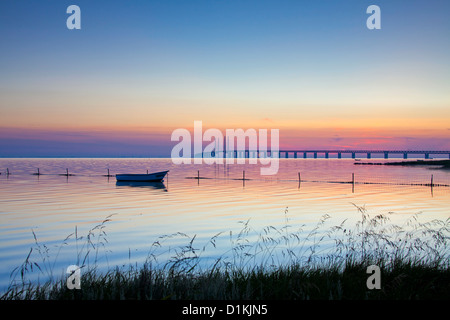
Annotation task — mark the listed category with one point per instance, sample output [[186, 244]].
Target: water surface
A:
[[54, 206]]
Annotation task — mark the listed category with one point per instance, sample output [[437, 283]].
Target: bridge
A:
[[425, 153], [326, 153]]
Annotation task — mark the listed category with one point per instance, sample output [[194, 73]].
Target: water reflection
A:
[[142, 184]]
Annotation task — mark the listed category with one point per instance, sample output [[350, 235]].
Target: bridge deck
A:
[[305, 152]]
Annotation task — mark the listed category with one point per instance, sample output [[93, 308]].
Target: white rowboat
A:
[[155, 176]]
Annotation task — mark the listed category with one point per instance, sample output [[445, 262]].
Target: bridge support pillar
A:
[[295, 155], [353, 155], [304, 155], [405, 155], [326, 155], [386, 155], [369, 155], [315, 155], [340, 155], [427, 156]]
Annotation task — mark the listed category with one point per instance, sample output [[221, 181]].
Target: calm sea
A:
[[60, 217]]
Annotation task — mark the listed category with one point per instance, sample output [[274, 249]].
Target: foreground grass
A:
[[402, 281], [414, 264]]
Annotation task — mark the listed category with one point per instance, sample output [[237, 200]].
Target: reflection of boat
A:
[[155, 176], [142, 184]]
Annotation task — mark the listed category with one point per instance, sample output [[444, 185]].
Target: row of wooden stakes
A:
[[67, 174]]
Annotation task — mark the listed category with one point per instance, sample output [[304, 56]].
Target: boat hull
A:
[[151, 177]]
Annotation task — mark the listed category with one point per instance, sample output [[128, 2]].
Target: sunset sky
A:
[[139, 69]]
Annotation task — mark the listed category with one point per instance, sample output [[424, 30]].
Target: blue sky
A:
[[159, 65]]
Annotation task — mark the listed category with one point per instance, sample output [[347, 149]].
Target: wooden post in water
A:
[[67, 171], [353, 182], [431, 186], [299, 178], [7, 171]]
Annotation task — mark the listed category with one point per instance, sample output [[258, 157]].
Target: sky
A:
[[139, 69]]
